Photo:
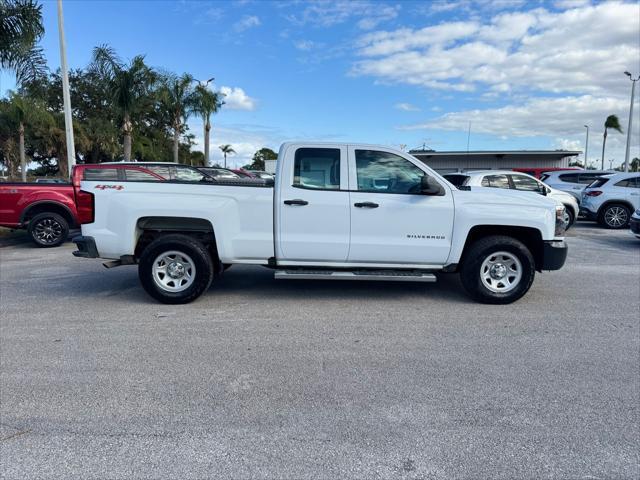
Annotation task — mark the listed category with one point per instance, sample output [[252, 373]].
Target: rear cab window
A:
[[383, 172], [317, 168]]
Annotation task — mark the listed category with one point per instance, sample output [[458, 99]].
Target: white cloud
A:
[[326, 13], [562, 117], [306, 45], [246, 22], [235, 98], [582, 50], [406, 107]]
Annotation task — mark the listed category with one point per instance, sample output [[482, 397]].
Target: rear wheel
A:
[[497, 269], [175, 269], [48, 229], [614, 216]]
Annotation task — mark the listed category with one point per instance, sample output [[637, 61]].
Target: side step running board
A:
[[389, 275]]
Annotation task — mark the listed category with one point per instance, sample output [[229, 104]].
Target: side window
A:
[[629, 183], [496, 181], [528, 184], [569, 177], [101, 174], [587, 178], [186, 174], [383, 172], [135, 175], [317, 168], [161, 170]]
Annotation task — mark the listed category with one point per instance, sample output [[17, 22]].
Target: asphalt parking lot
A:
[[274, 379]]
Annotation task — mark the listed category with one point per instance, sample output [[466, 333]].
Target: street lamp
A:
[[586, 148], [68, 121], [633, 91]]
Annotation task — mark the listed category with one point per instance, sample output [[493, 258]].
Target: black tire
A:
[[472, 266], [196, 253], [614, 216], [571, 215], [48, 230]]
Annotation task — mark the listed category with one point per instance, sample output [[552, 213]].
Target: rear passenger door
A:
[[312, 207], [629, 189]]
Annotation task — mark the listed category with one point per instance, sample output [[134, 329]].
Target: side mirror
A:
[[429, 186]]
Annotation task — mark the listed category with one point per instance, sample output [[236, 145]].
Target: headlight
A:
[[638, 212], [561, 223]]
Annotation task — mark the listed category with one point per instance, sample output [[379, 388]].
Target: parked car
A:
[[243, 173], [573, 182], [336, 212], [48, 210], [260, 174], [50, 180], [538, 172], [612, 199], [218, 172], [512, 180], [634, 223]]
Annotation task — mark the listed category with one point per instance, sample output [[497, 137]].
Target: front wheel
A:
[[175, 269], [497, 269]]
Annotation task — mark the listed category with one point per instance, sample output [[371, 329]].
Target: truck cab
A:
[[336, 211]]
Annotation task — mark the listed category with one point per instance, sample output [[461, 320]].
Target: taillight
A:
[[85, 207], [593, 193]]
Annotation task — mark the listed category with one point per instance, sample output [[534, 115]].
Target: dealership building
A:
[[449, 162]]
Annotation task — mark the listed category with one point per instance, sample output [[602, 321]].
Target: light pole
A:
[[633, 91], [68, 121], [586, 148]]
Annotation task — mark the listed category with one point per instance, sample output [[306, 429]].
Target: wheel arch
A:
[[530, 236], [150, 228], [47, 206], [626, 203]]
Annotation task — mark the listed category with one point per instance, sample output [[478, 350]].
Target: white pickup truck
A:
[[334, 212]]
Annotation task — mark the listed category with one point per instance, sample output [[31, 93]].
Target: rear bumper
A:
[[86, 247], [554, 254], [588, 214]]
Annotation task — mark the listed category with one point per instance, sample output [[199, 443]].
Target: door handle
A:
[[366, 205], [297, 201]]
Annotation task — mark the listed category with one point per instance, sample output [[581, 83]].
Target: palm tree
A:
[[611, 122], [176, 97], [20, 29], [128, 85], [206, 103], [226, 149], [23, 111]]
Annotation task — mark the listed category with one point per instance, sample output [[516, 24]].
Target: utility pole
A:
[[68, 121], [633, 91], [468, 136], [586, 148]]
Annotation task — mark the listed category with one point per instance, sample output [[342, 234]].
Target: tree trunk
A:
[[604, 143], [23, 159], [126, 129], [225, 159], [207, 129], [63, 164], [176, 142]]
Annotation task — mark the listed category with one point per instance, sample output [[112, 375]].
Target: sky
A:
[[515, 74]]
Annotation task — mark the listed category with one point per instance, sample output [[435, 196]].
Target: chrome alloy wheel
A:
[[47, 231], [173, 271], [501, 272], [616, 217]]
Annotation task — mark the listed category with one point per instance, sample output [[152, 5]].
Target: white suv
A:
[[572, 181], [517, 181], [612, 199]]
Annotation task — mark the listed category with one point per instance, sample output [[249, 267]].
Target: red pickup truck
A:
[[49, 210]]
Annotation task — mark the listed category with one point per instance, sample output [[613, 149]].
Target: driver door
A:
[[392, 222]]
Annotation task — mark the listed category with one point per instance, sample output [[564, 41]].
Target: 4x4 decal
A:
[[109, 187]]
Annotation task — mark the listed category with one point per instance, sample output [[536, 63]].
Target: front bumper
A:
[[554, 254], [634, 225], [86, 247]]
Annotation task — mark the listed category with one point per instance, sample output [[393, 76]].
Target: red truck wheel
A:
[[48, 230]]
